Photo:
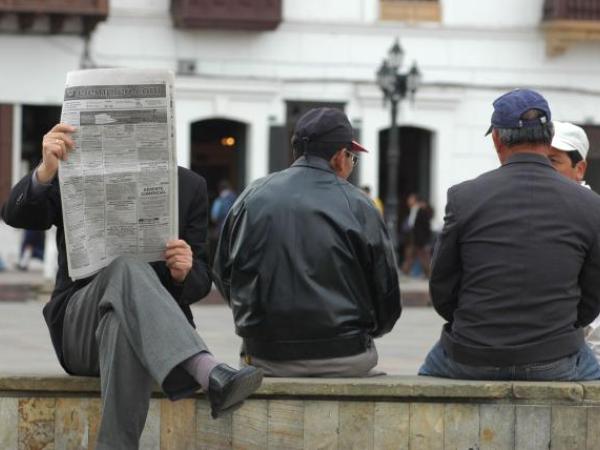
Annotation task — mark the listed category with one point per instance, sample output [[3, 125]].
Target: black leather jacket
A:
[[307, 266]]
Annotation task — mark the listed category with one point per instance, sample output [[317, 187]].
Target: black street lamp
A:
[[396, 86]]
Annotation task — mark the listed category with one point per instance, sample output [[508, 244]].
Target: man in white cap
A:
[[570, 147]]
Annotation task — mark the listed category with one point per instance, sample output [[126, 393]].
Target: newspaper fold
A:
[[119, 185]]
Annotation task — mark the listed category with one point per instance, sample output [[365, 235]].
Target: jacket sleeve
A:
[[198, 282], [23, 209], [384, 277], [589, 282], [223, 263], [446, 268], [231, 239]]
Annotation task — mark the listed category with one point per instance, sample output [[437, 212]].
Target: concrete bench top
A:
[[385, 412], [376, 388]]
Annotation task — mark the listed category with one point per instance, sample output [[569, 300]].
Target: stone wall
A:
[[378, 413]]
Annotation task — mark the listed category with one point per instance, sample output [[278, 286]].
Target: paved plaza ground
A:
[[25, 347]]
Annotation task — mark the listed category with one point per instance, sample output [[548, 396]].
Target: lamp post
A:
[[395, 86]]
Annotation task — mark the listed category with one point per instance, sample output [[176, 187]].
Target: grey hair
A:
[[539, 134]]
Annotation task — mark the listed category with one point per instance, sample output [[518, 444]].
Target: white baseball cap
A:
[[569, 137]]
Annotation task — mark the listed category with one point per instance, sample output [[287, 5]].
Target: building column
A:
[[257, 150], [6, 150], [372, 123]]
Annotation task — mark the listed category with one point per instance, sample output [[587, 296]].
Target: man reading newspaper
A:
[[130, 323]]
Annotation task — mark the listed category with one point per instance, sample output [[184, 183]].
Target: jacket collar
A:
[[528, 158], [314, 162]]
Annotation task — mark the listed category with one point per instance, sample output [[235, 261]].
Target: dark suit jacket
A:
[[516, 270], [421, 232], [24, 210]]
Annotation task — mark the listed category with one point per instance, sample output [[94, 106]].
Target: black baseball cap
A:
[[326, 125]]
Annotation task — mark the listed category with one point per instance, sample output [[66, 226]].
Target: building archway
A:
[[218, 149], [36, 121], [218, 153], [414, 167]]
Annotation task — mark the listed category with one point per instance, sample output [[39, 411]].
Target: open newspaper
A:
[[119, 185]]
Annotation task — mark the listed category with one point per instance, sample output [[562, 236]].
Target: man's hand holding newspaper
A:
[[178, 257], [56, 145]]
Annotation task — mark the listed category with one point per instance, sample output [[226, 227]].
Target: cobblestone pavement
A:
[[25, 347]]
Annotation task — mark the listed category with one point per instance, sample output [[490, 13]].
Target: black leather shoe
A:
[[228, 387]]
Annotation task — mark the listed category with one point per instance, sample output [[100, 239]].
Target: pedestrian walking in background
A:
[[376, 200], [32, 247], [418, 236], [222, 204]]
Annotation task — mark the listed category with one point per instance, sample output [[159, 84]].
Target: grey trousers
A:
[[125, 327], [360, 365]]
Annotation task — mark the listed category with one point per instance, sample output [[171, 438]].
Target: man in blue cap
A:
[[515, 270]]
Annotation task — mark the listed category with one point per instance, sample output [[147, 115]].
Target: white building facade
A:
[[252, 84]]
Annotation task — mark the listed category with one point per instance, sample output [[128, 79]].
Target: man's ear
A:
[[580, 169], [337, 161], [496, 140], [498, 145]]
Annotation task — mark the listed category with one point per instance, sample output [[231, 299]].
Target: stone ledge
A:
[[376, 388], [376, 413]]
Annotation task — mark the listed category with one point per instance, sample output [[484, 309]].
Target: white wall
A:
[[330, 10], [34, 68], [492, 13], [336, 50], [330, 50]]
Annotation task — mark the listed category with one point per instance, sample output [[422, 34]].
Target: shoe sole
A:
[[244, 386]]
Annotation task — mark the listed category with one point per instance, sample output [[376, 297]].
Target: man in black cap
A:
[[515, 269], [306, 263]]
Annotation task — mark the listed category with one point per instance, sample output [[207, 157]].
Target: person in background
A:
[[418, 235], [376, 200], [568, 152], [408, 223], [570, 147], [222, 204], [218, 212], [32, 247]]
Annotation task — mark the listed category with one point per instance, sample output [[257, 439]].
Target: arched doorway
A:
[[414, 167], [218, 149], [36, 121], [414, 172]]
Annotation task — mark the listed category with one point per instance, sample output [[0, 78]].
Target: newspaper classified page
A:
[[119, 185]]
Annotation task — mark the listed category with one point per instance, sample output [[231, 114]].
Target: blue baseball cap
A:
[[510, 107]]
